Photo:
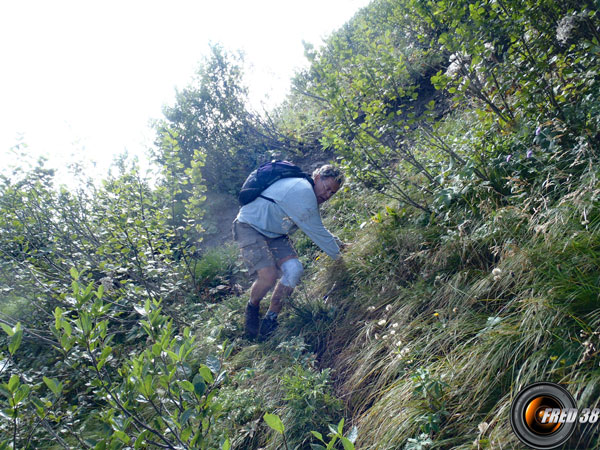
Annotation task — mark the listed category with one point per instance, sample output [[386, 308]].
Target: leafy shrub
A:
[[310, 405]]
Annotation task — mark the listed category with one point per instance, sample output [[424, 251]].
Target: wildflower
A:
[[436, 314], [395, 325], [381, 322], [529, 153], [508, 158], [388, 307], [392, 332], [482, 427], [538, 130], [371, 308], [497, 271]]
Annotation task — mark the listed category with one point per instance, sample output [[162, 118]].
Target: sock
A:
[[271, 315], [251, 305]]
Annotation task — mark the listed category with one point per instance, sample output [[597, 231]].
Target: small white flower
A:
[[395, 325], [482, 427], [404, 352], [388, 307], [497, 272], [393, 332], [381, 322]]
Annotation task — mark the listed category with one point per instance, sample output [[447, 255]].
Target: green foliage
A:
[[310, 405], [155, 396], [478, 118], [335, 434], [432, 391], [211, 127]]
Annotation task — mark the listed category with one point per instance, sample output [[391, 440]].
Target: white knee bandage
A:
[[292, 271]]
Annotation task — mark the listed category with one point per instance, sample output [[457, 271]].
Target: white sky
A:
[[80, 79]]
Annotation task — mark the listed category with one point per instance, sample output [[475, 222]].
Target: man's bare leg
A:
[[267, 277], [280, 293]]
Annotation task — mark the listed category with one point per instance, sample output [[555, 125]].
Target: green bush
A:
[[310, 405]]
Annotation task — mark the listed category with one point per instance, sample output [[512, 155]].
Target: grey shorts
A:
[[258, 250]]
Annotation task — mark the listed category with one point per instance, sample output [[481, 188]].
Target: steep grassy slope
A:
[[426, 332]]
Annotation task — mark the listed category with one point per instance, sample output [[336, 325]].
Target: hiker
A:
[[261, 229]]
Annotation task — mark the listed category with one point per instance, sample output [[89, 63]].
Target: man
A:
[[261, 229]]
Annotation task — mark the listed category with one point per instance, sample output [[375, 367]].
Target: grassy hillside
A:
[[469, 134]]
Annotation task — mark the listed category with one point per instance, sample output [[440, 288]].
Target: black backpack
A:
[[265, 176]]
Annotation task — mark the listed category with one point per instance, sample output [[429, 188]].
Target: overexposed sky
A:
[[80, 79]]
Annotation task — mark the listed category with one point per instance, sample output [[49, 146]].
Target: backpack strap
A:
[[267, 198]]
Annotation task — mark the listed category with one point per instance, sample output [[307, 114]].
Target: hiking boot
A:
[[252, 321], [268, 327]]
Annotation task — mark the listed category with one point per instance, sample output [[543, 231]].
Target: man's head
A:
[[328, 179]]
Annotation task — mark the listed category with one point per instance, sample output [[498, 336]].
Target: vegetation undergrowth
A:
[[469, 134]]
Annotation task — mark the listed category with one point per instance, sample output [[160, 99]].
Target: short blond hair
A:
[[330, 171]]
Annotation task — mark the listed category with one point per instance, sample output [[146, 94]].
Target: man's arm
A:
[[301, 206]]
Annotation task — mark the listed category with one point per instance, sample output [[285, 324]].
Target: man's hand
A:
[[345, 245]]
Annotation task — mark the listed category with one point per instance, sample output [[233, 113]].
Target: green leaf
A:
[[74, 273], [340, 427], [187, 386], [199, 386], [213, 363], [317, 447], [104, 356], [333, 430], [22, 392], [226, 445], [228, 351], [13, 383], [121, 436], [67, 327], [274, 422], [347, 444], [205, 372], [318, 435], [15, 340], [140, 441], [186, 415], [55, 387], [8, 330]]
